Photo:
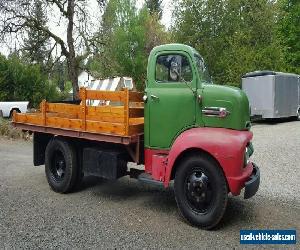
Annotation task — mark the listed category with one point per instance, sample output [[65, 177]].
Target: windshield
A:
[[202, 69]]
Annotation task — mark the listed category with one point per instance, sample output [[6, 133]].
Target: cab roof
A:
[[174, 46]]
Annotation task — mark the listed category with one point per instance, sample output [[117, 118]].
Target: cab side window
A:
[[173, 68]]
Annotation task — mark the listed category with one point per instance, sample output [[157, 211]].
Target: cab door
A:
[[170, 102]]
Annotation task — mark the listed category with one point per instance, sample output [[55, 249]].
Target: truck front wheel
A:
[[61, 166], [201, 191]]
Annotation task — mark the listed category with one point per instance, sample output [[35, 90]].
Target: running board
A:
[[147, 178], [141, 176]]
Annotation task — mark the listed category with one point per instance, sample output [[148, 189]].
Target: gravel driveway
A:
[[127, 214]]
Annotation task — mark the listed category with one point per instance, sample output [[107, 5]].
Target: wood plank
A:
[[100, 110], [104, 95], [83, 109], [76, 124], [65, 123], [44, 108], [135, 96], [136, 112], [136, 129], [114, 118], [136, 104], [63, 108], [136, 121], [126, 111], [36, 119], [105, 127], [63, 115]]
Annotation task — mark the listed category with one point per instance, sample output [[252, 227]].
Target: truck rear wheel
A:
[[201, 191], [61, 166]]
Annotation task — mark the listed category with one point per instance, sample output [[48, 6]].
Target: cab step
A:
[[144, 177], [147, 178]]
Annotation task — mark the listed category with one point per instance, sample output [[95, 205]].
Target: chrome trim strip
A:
[[215, 111]]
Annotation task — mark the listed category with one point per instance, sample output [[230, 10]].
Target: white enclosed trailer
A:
[[272, 94]]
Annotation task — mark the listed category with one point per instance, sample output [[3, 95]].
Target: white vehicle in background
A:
[[8, 108]]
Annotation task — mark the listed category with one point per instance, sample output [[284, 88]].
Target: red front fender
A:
[[225, 145]]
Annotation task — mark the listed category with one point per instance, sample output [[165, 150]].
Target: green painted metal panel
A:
[[234, 100], [175, 107], [170, 106]]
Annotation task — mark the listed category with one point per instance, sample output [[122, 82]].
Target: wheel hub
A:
[[58, 167], [197, 187]]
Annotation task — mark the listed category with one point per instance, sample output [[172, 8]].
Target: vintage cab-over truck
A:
[[183, 128]]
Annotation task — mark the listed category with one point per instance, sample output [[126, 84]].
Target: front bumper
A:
[[252, 185]]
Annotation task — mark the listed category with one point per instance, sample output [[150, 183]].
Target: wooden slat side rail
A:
[[106, 118], [35, 119], [136, 96], [91, 126], [83, 108], [62, 115], [118, 96], [125, 140], [71, 124], [103, 110], [136, 121], [114, 114], [136, 112], [125, 120], [105, 127], [65, 123], [63, 108], [126, 111], [136, 129], [44, 110], [136, 104]]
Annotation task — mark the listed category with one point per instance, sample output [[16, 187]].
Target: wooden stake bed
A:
[[121, 123]]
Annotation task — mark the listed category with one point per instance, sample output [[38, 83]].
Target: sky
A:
[[60, 30]]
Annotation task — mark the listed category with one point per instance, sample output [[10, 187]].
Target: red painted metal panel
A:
[[225, 145], [150, 154], [159, 165]]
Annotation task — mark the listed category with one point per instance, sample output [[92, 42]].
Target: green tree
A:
[[234, 36], [289, 32], [129, 35], [16, 18], [36, 45], [24, 82]]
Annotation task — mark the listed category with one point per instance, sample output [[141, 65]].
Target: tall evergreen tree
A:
[[36, 46]]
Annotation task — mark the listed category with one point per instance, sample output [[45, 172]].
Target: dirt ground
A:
[[127, 214]]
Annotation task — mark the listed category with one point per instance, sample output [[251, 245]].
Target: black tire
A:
[[61, 166], [195, 175]]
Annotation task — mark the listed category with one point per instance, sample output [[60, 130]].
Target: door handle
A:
[[154, 97]]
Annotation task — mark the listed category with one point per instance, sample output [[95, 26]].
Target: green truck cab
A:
[[197, 133], [194, 133], [189, 99]]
